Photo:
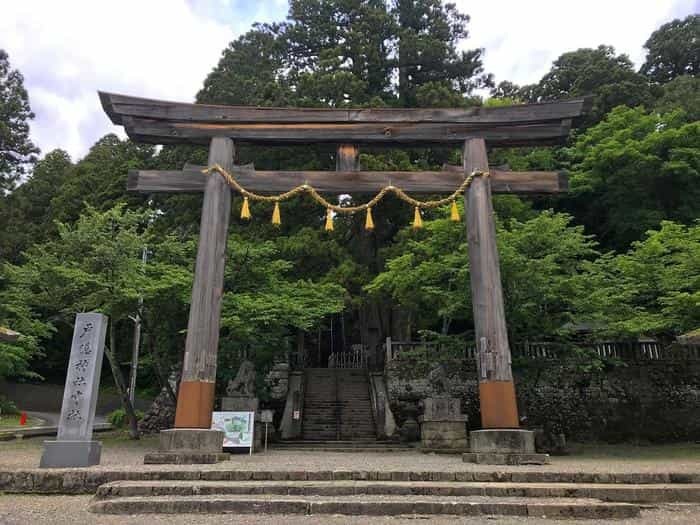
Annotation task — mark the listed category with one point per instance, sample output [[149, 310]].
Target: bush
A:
[[7, 406], [118, 418]]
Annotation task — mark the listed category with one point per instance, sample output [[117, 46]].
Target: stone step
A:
[[343, 429], [358, 416], [333, 393], [332, 434], [324, 418], [345, 405], [367, 505], [347, 449], [331, 410], [604, 492], [341, 399], [86, 481], [338, 442]]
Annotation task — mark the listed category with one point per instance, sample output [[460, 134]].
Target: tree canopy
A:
[[634, 170], [673, 50], [339, 53], [600, 72], [16, 148]]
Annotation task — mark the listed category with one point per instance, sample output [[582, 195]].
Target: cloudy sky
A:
[[69, 49]]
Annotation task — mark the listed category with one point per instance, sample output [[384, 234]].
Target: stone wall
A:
[[654, 401]]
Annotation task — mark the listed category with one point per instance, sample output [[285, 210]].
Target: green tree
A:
[[265, 305], [249, 71], [28, 214], [16, 357], [673, 50], [16, 149], [506, 90], [347, 53], [609, 78], [338, 51], [99, 179], [94, 265], [634, 170], [683, 93], [427, 37], [654, 288], [543, 268]]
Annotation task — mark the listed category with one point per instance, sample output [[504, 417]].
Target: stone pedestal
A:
[[188, 446], [66, 453], [443, 426], [504, 447], [239, 404]]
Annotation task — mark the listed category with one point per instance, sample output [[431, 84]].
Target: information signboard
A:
[[237, 428]]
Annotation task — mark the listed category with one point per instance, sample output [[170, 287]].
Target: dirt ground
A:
[[121, 453]]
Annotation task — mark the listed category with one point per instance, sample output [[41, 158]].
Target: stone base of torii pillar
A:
[[188, 446], [506, 446]]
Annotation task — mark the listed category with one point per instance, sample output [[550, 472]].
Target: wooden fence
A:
[[622, 350], [356, 357]]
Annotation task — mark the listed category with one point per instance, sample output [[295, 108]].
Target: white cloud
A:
[[522, 38], [67, 50]]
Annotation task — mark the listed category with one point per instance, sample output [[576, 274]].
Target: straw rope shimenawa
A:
[[330, 207]]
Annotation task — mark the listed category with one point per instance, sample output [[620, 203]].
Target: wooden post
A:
[[347, 157], [496, 389], [195, 399]]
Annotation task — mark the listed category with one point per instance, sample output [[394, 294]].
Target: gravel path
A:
[[69, 510], [121, 453]]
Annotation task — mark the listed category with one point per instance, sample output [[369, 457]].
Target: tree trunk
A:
[[158, 368], [120, 382]]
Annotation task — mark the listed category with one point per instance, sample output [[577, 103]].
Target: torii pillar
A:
[[192, 440], [501, 441]]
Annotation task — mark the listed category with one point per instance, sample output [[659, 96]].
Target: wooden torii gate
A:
[[221, 127]]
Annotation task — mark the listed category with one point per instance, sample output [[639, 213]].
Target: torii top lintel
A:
[[162, 122]]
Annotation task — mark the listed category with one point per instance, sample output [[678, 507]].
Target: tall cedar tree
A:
[[427, 35], [16, 150]]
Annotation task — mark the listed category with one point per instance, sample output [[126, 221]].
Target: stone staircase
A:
[[337, 405], [386, 493], [356, 445]]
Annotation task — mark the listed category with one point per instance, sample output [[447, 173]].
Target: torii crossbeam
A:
[[160, 122]]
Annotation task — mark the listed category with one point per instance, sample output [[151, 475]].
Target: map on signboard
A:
[[236, 426]]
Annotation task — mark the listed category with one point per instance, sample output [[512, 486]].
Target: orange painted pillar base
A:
[[195, 402], [499, 409]]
